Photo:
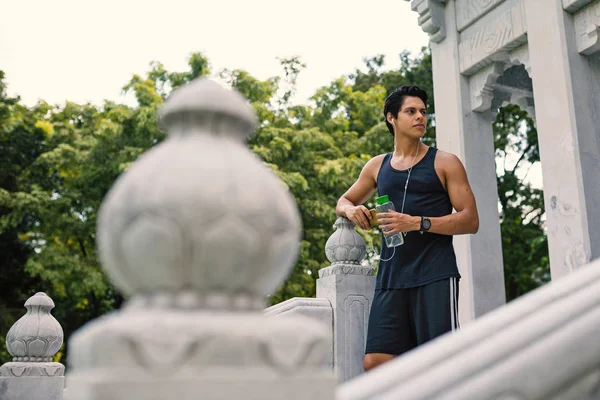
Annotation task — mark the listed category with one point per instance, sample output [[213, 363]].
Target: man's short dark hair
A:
[[394, 102]]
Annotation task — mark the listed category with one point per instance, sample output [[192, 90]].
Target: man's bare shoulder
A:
[[371, 168], [374, 163], [377, 159], [448, 160]]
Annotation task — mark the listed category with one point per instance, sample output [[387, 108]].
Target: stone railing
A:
[[543, 345], [344, 296], [196, 272], [315, 308]]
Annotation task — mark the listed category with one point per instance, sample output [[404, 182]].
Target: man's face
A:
[[411, 119]]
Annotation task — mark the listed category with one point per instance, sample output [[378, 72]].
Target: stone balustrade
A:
[[343, 302], [543, 345], [196, 244], [196, 233]]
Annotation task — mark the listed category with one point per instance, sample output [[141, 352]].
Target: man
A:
[[416, 292]]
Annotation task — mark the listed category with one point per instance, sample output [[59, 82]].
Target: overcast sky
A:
[[81, 51], [86, 51]]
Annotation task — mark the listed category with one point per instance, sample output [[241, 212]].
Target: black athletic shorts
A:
[[402, 319]]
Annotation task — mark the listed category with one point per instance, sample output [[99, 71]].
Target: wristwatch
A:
[[425, 224]]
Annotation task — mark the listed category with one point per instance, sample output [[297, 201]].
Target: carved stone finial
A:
[[198, 231], [199, 220], [37, 336], [431, 18], [345, 245], [219, 111], [33, 340]]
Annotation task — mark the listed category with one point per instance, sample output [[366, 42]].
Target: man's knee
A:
[[373, 360]]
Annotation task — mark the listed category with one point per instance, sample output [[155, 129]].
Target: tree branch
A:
[[82, 247], [529, 146]]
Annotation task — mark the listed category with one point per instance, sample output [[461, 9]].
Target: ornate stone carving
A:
[[574, 5], [482, 87], [197, 232], [37, 336], [431, 18], [520, 56], [345, 245], [492, 37], [345, 269], [513, 86], [587, 29], [469, 11], [32, 341]]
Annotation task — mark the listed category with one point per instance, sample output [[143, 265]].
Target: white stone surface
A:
[[541, 346], [491, 38], [566, 86], [469, 11], [587, 29], [349, 287], [431, 17], [574, 5], [315, 308], [469, 135], [197, 232], [32, 341], [481, 86], [32, 388]]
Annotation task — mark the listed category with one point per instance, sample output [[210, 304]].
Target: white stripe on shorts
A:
[[454, 305]]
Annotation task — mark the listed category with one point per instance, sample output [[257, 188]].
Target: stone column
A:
[[349, 286], [566, 83], [468, 134], [33, 340], [196, 233]]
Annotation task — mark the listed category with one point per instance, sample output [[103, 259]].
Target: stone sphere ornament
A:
[[36, 336], [32, 341], [197, 232], [345, 245], [200, 212]]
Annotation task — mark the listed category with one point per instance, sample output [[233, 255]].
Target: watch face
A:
[[426, 223]]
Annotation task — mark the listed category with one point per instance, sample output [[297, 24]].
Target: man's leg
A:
[[389, 333], [435, 308]]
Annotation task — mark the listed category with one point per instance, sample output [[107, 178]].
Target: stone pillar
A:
[[196, 233], [33, 340], [566, 83], [468, 134], [349, 286]]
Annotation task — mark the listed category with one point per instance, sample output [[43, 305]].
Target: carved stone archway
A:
[[482, 52]]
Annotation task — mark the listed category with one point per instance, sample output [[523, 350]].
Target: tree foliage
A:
[[58, 162]]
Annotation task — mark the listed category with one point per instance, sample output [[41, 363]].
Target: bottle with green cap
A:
[[384, 205]]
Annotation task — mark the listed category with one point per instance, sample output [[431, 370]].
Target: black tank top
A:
[[423, 258]]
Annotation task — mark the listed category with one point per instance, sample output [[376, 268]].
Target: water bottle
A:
[[384, 205]]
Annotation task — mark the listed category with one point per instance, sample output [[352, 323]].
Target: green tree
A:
[[21, 142], [51, 199], [59, 162], [524, 241]]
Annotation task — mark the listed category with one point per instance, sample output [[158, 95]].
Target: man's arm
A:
[[350, 204], [466, 218]]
